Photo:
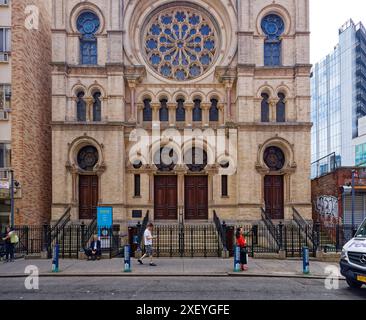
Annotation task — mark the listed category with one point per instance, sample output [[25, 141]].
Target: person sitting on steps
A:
[[94, 252]]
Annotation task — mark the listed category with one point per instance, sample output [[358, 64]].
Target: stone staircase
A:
[[189, 240]]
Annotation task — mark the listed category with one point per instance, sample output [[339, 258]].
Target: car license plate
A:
[[361, 279]]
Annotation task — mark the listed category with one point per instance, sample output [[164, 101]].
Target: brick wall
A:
[[31, 94]]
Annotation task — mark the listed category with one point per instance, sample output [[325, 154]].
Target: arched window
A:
[[147, 112], [214, 110], [164, 111], [265, 108], [273, 27], [180, 112], [88, 158], [81, 107], [281, 108], [274, 158], [88, 24], [97, 107], [197, 111]]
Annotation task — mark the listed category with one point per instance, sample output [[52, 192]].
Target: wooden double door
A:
[[274, 196], [195, 197], [88, 197]]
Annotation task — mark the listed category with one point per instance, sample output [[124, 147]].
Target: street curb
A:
[[164, 275]]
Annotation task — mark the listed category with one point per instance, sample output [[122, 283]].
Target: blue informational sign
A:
[[104, 224]]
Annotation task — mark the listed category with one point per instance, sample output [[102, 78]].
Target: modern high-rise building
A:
[[338, 88]]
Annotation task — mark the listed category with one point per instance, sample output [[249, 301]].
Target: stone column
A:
[[272, 110], [133, 116], [139, 116], [172, 110], [89, 109], [205, 114], [221, 107], [188, 106], [228, 87], [155, 111]]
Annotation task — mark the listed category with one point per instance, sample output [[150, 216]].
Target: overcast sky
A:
[[327, 16]]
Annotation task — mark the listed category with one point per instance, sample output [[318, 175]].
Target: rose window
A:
[[180, 43]]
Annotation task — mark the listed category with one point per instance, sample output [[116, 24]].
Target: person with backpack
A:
[[242, 244], [11, 239]]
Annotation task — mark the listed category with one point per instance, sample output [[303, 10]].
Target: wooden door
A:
[[196, 197], [166, 198], [88, 197], [274, 197]]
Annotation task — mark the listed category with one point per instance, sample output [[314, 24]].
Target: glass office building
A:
[[338, 85]]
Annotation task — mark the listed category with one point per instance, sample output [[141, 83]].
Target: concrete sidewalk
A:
[[169, 267]]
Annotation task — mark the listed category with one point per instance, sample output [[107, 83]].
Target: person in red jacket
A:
[[242, 244]]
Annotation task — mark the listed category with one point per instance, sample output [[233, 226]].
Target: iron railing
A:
[[61, 223], [220, 229], [306, 228], [271, 227], [197, 241]]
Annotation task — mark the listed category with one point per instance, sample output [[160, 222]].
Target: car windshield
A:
[[361, 233]]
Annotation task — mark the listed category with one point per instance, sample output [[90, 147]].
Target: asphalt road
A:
[[138, 288]]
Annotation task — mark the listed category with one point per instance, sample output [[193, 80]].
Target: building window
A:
[[5, 40], [97, 107], [81, 107], [224, 186], [281, 108], [88, 24], [88, 158], [273, 27], [274, 158], [164, 111], [137, 185], [180, 112], [180, 43], [214, 111], [5, 156], [5, 96], [197, 111], [147, 111], [265, 108], [4, 2]]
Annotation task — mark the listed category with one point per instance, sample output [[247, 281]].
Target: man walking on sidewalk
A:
[[148, 240]]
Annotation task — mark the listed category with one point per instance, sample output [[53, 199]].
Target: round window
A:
[[180, 43], [87, 158], [274, 158]]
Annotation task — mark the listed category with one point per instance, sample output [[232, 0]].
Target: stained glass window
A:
[[180, 112], [265, 108], [87, 158], [81, 107], [97, 107], [281, 108], [180, 43], [88, 24], [197, 111], [164, 111], [274, 158], [273, 27], [147, 112], [214, 111]]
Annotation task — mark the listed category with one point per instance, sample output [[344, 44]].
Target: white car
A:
[[353, 259]]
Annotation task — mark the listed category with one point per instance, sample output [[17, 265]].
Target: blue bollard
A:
[[237, 267], [127, 258], [55, 258], [306, 260]]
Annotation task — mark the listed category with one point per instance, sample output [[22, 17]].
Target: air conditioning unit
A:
[[4, 57]]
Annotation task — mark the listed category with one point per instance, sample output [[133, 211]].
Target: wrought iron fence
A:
[[187, 241]]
